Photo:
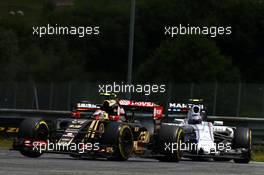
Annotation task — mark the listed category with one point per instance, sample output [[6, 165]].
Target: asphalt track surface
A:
[[12, 162]]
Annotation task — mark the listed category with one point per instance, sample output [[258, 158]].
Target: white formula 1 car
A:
[[211, 140]]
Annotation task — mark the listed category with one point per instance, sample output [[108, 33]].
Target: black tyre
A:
[[168, 135], [32, 129], [243, 139], [121, 137]]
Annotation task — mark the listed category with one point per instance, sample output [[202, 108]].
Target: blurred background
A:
[[54, 71], [221, 99]]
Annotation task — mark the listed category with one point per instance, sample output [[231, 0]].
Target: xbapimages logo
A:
[[174, 147], [212, 31], [147, 89], [73, 147], [80, 31]]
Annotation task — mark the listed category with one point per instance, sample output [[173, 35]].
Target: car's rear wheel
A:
[[243, 140], [32, 130], [125, 143], [121, 137]]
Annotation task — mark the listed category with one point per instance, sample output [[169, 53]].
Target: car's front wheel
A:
[[243, 140], [170, 138], [32, 130]]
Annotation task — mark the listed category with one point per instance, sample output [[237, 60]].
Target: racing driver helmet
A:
[[194, 115], [110, 106]]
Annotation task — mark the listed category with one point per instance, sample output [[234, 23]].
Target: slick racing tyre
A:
[[170, 138], [33, 130], [243, 140], [121, 137]]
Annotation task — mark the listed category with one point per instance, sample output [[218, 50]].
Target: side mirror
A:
[[218, 123]]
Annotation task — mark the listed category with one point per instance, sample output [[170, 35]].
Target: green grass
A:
[[6, 143], [259, 157], [258, 153]]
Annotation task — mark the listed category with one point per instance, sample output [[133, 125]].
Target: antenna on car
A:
[[196, 100], [109, 95]]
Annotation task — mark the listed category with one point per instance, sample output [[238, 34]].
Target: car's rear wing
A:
[[143, 107], [183, 108], [84, 108]]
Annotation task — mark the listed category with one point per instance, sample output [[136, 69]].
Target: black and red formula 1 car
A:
[[116, 130]]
